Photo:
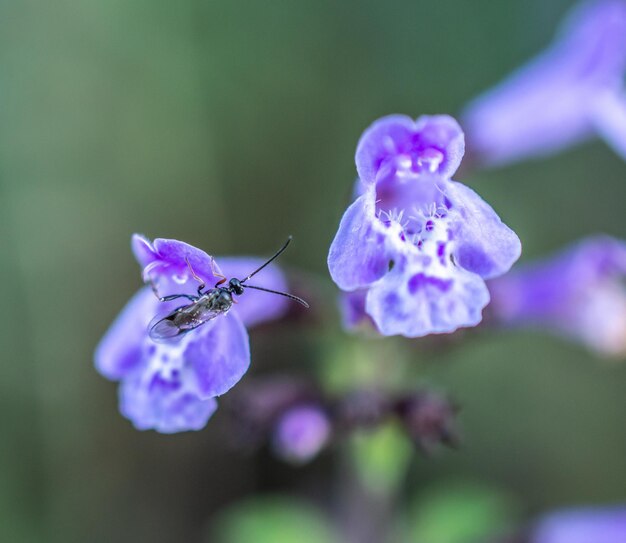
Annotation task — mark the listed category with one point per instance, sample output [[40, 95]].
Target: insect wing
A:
[[165, 328], [179, 322]]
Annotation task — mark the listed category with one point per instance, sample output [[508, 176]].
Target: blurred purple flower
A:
[[578, 292], [415, 244], [301, 433], [571, 91], [171, 387], [589, 525]]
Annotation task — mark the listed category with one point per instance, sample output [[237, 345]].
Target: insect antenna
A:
[[285, 294], [276, 255]]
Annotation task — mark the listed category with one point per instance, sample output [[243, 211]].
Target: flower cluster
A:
[[568, 93], [172, 386], [300, 421], [414, 248], [579, 293]]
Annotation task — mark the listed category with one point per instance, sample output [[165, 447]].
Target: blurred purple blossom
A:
[[568, 93], [579, 292], [415, 246], [171, 387], [298, 420], [588, 525], [301, 433]]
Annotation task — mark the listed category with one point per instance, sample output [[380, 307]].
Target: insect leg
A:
[[171, 296], [222, 277], [154, 289], [193, 273], [175, 296]]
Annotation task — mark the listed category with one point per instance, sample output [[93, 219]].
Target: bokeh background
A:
[[230, 125]]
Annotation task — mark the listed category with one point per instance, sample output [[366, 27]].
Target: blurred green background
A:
[[230, 125]]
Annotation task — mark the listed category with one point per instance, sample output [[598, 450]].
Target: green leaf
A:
[[272, 520], [460, 513], [382, 457]]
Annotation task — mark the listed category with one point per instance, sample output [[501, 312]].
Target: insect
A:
[[207, 305]]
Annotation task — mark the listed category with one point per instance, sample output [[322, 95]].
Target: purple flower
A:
[[415, 245], [301, 433], [352, 307], [578, 292], [172, 386], [589, 525], [571, 91]]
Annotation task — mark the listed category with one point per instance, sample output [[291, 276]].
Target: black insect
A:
[[207, 305]]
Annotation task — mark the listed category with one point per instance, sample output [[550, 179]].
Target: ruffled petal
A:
[[387, 136], [411, 302], [120, 350], [484, 245], [152, 403], [143, 250], [220, 356], [177, 253], [546, 105], [166, 263], [255, 306], [431, 141], [444, 133], [357, 254]]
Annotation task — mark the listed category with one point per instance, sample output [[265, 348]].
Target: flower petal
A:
[[220, 356], [301, 433], [166, 263], [443, 132], [398, 135], [554, 287], [120, 350], [545, 106], [143, 250], [578, 293], [357, 257], [256, 306], [352, 306], [598, 257], [609, 119], [411, 302], [177, 253], [534, 113], [583, 525], [384, 137], [484, 244], [164, 406]]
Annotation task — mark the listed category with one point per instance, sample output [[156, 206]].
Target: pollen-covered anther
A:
[[430, 159]]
